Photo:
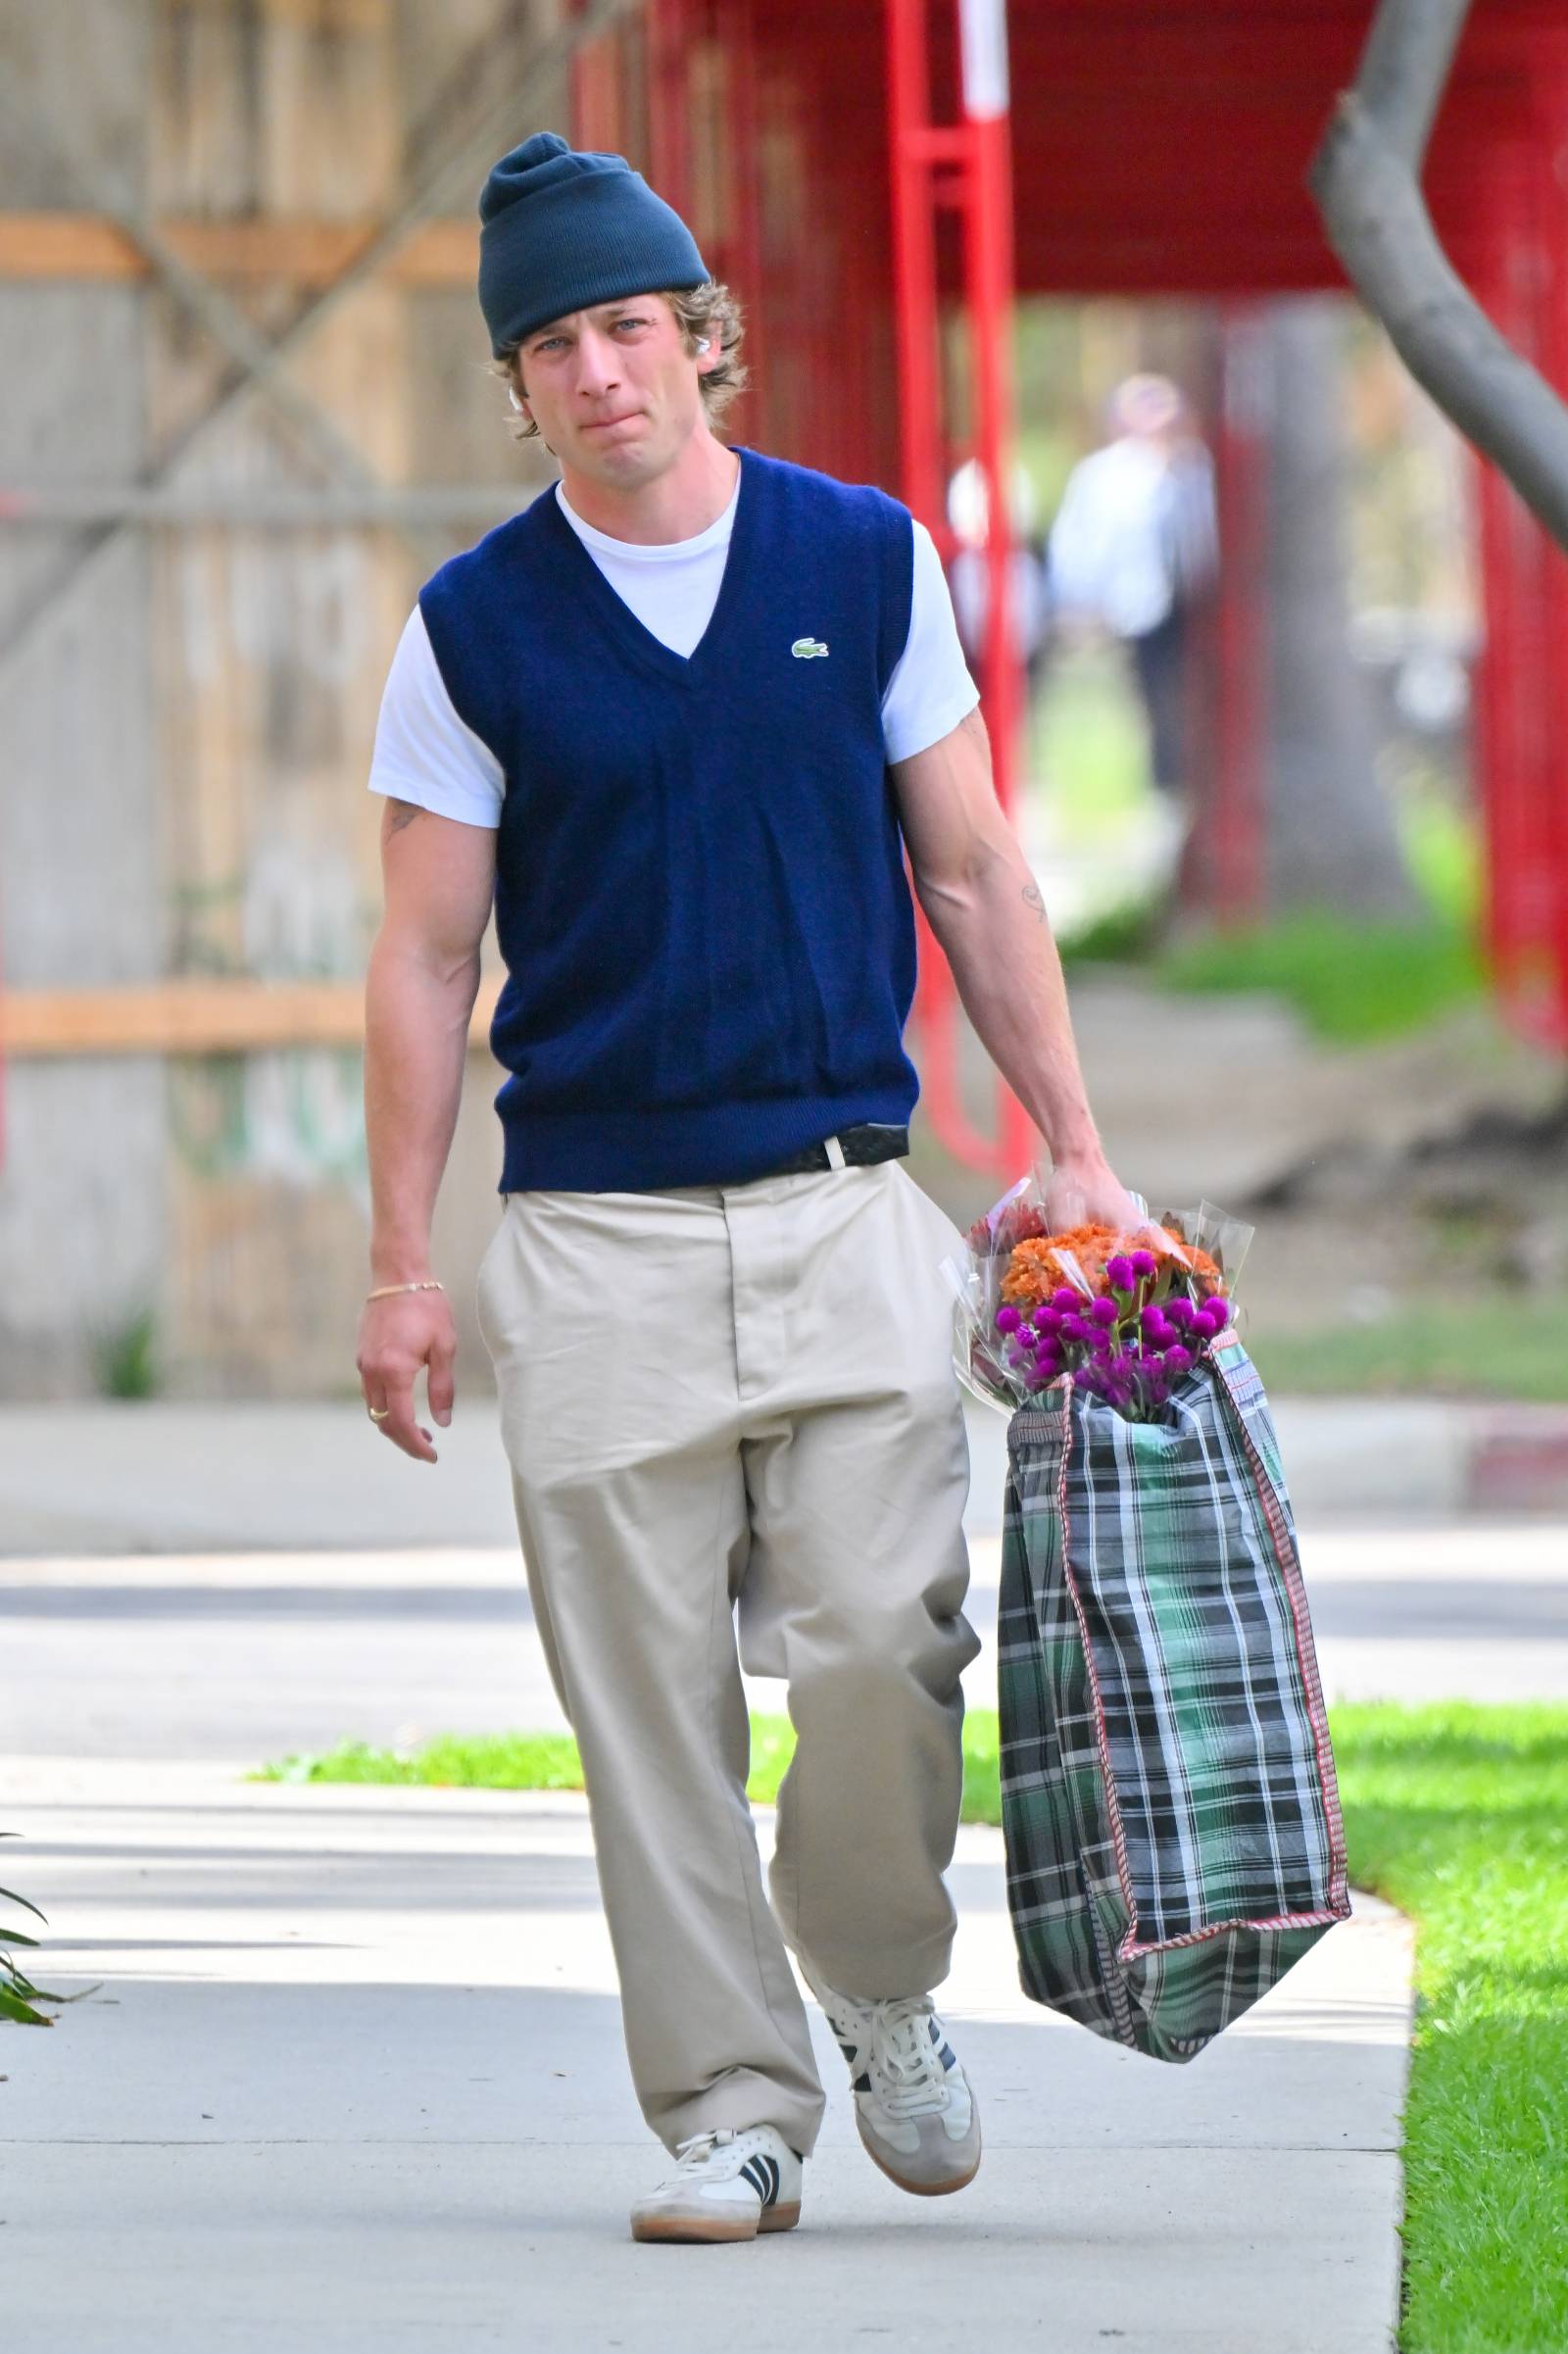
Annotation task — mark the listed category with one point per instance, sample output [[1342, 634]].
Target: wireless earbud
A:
[[702, 343], [511, 396]]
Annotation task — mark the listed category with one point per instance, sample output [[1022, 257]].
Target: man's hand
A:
[[1082, 1188], [397, 1336]]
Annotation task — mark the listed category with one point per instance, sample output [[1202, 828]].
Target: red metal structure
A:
[[874, 179]]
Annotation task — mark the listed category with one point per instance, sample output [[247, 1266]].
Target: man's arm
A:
[[424, 977], [985, 907]]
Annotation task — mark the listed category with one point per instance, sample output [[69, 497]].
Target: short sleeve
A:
[[423, 752], [931, 689]]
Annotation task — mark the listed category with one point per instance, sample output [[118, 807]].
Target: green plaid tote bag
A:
[[1168, 1798]]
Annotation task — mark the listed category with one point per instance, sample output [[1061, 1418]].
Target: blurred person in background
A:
[[1134, 544], [677, 720], [968, 572]]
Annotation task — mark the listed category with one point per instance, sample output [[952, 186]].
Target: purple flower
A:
[[1177, 1360], [1008, 1319], [1144, 1264], [1155, 1326], [1104, 1312], [1066, 1299], [1048, 1319], [1099, 1340], [1178, 1312], [1119, 1272], [1073, 1328]]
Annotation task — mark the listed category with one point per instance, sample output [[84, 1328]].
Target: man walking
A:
[[1133, 548], [679, 719]]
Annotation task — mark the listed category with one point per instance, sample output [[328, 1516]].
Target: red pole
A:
[[1519, 714], [975, 157], [594, 91], [914, 257], [668, 38], [1552, 293], [740, 41], [989, 259]]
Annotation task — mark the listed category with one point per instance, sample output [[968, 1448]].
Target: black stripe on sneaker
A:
[[762, 2174], [948, 2056]]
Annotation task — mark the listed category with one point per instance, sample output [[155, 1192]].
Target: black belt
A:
[[872, 1139]]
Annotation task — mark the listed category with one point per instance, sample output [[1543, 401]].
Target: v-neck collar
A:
[[635, 637]]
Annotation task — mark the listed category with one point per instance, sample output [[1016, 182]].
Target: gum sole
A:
[[922, 2190], [713, 2231]]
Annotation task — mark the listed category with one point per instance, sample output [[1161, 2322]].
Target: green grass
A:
[[1442, 850], [1459, 1816], [1086, 743], [1456, 1814], [124, 1355], [1475, 1348], [1350, 982], [549, 1761]]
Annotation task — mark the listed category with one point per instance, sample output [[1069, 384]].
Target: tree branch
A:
[[1366, 179]]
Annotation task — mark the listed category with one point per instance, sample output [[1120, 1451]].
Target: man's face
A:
[[614, 390]]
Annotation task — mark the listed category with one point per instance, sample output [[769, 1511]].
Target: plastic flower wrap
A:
[[1122, 1314]]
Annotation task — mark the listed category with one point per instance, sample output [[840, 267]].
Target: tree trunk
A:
[[1332, 841]]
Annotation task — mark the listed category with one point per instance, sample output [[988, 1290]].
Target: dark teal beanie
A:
[[562, 229]]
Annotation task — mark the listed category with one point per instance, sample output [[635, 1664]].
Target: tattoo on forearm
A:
[[1032, 899], [400, 813]]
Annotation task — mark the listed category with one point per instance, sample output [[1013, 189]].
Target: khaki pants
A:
[[738, 1401]]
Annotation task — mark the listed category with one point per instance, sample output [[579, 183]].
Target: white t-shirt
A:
[[424, 754], [1134, 526]]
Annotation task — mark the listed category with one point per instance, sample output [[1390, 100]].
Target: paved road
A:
[[170, 1478], [260, 1654]]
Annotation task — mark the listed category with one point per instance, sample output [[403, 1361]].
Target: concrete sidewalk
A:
[[366, 2086], [366, 2090]]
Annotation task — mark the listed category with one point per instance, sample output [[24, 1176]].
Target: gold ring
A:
[[378, 1414]]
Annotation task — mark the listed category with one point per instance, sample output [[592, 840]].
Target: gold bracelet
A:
[[387, 1288]]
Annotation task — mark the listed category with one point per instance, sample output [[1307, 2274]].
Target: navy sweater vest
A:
[[701, 898]]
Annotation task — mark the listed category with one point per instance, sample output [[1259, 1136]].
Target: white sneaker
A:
[[727, 2184], [913, 2101]]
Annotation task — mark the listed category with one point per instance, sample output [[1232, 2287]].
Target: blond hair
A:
[[708, 310]]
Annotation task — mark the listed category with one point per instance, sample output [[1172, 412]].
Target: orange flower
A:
[[1036, 1267]]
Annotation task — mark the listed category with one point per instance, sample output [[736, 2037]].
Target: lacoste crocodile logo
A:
[[805, 648]]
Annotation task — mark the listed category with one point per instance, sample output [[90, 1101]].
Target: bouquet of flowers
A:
[[1126, 1316]]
